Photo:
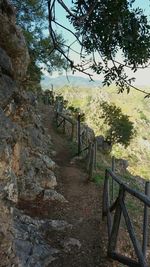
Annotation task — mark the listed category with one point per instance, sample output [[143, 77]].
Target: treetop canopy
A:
[[102, 28]]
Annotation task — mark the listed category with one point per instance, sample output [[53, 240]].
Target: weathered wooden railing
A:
[[79, 133], [63, 120], [114, 210], [85, 146]]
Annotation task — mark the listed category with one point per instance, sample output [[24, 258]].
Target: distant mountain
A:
[[74, 81]]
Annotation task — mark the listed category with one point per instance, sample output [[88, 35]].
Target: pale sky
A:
[[142, 76]]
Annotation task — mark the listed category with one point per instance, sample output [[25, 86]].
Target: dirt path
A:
[[83, 210]]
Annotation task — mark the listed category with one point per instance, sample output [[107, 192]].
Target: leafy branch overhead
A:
[[103, 29]]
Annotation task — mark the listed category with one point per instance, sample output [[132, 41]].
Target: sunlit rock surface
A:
[[26, 168]]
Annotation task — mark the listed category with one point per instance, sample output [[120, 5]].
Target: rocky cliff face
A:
[[13, 43], [26, 168]]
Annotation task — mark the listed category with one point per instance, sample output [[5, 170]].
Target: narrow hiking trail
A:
[[83, 210], [84, 243]]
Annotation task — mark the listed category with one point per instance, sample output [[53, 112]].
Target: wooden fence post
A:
[[64, 126], [79, 134], [91, 165], [106, 204], [113, 163], [105, 193], [72, 132], [57, 118], [112, 188], [95, 154], [146, 221], [87, 142], [89, 156], [116, 222]]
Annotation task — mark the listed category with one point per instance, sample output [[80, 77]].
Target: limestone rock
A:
[[58, 225], [50, 164], [49, 181], [24, 249], [13, 41], [7, 89], [29, 97], [8, 257], [8, 130], [71, 243], [29, 243], [12, 188], [52, 195], [5, 63], [38, 140], [31, 191]]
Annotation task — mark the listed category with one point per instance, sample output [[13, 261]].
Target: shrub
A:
[[120, 128]]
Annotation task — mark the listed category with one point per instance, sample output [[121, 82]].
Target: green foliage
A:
[[32, 18], [121, 129], [107, 27], [98, 179], [74, 111]]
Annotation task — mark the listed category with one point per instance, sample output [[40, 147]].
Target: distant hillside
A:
[[74, 81]]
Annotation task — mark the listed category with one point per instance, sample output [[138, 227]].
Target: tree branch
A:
[[78, 18], [130, 85], [59, 49], [127, 66], [57, 23]]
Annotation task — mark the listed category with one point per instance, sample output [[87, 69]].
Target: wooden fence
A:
[[67, 124], [79, 133], [114, 209]]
